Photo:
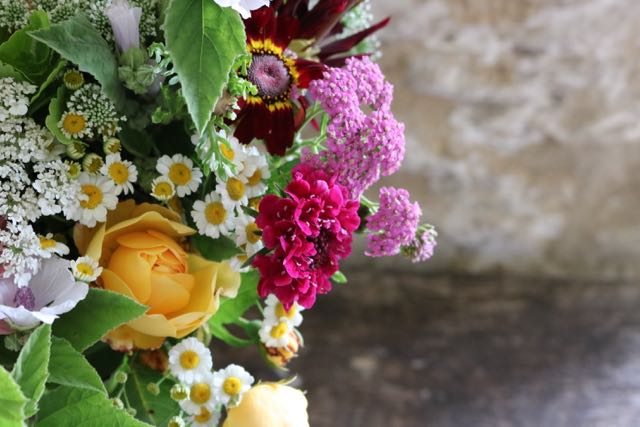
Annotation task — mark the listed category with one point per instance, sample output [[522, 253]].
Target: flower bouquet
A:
[[175, 171]]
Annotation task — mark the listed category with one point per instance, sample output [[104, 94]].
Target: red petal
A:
[[346, 44]]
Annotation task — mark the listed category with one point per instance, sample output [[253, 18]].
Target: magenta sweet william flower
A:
[[309, 231]]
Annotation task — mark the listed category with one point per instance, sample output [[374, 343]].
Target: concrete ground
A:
[[397, 349]]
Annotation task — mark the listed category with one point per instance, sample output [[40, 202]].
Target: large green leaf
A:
[[155, 410], [56, 109], [218, 250], [32, 59], [233, 308], [69, 367], [79, 42], [100, 312], [77, 407], [32, 367], [204, 40], [12, 401]]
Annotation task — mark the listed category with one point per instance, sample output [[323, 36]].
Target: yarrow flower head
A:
[[309, 231], [394, 225], [190, 360], [423, 245]]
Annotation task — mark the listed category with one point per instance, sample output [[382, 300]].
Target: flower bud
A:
[[112, 146], [179, 392], [121, 377], [125, 23], [73, 79], [281, 356], [132, 411], [117, 403], [153, 388], [176, 422]]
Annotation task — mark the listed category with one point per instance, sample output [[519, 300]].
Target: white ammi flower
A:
[[122, 172], [243, 7], [230, 384], [51, 291], [180, 171], [86, 269], [212, 217], [189, 360], [274, 312], [97, 196]]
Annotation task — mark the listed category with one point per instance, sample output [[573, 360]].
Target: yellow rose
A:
[[270, 405], [139, 248]]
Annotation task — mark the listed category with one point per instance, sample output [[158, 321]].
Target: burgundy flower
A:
[[309, 231]]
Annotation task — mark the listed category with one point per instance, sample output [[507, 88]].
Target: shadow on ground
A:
[[394, 349]]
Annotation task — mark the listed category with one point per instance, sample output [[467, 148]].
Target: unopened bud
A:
[[117, 403], [176, 422], [153, 388], [179, 392], [121, 377]]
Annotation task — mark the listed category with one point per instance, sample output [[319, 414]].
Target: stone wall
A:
[[523, 128]]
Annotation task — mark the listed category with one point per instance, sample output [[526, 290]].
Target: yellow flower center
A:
[[279, 330], [85, 269], [215, 213], [235, 188], [232, 386], [255, 203], [94, 164], [47, 243], [189, 359], [180, 174], [163, 189], [119, 173], [200, 393], [227, 152], [255, 178], [74, 123], [203, 416], [73, 78], [281, 312], [94, 194], [251, 230], [109, 129], [74, 170]]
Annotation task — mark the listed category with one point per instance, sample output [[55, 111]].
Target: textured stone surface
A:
[[522, 131], [394, 349]]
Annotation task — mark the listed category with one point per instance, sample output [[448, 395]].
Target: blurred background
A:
[[523, 136]]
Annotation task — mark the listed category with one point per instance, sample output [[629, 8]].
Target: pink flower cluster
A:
[[364, 140], [309, 231], [423, 246], [394, 225]]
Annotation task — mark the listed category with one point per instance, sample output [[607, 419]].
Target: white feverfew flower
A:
[[201, 394], [274, 312], [97, 196], [122, 172], [230, 384], [248, 234], [86, 269], [181, 172], [237, 263], [233, 192], [243, 7], [50, 246], [276, 335], [189, 360], [212, 217], [254, 173], [163, 189], [75, 124], [205, 418], [232, 150]]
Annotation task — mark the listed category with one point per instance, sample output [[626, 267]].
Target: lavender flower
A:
[[125, 22]]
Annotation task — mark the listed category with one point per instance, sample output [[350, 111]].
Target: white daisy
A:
[[248, 234], [201, 394], [162, 188], [86, 269], [181, 172], [275, 312], [189, 360], [205, 418], [74, 124], [230, 384], [254, 180], [237, 263], [276, 334], [212, 217], [49, 246], [97, 196], [232, 151], [122, 172], [233, 192]]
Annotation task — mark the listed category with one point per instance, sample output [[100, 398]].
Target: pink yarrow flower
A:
[[309, 231], [423, 245]]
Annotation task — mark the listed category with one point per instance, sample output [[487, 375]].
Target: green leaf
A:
[[33, 59], [69, 367], [155, 410], [79, 42], [53, 75], [12, 401], [204, 40], [100, 312], [32, 367], [56, 108], [218, 250], [76, 407], [231, 309], [136, 142], [339, 277], [7, 70]]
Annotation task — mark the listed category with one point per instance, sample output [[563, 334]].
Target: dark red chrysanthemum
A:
[[309, 231]]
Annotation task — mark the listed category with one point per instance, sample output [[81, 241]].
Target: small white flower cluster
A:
[[13, 14], [200, 392], [278, 327], [358, 19], [222, 212]]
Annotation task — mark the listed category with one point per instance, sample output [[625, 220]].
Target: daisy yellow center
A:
[[279, 330], [203, 416], [281, 312], [47, 243], [119, 173], [255, 203], [94, 164], [85, 269], [251, 230], [227, 152], [232, 386], [255, 178], [200, 393], [74, 170], [163, 189], [215, 213], [180, 174], [73, 78], [74, 123], [189, 359], [235, 188], [94, 196]]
